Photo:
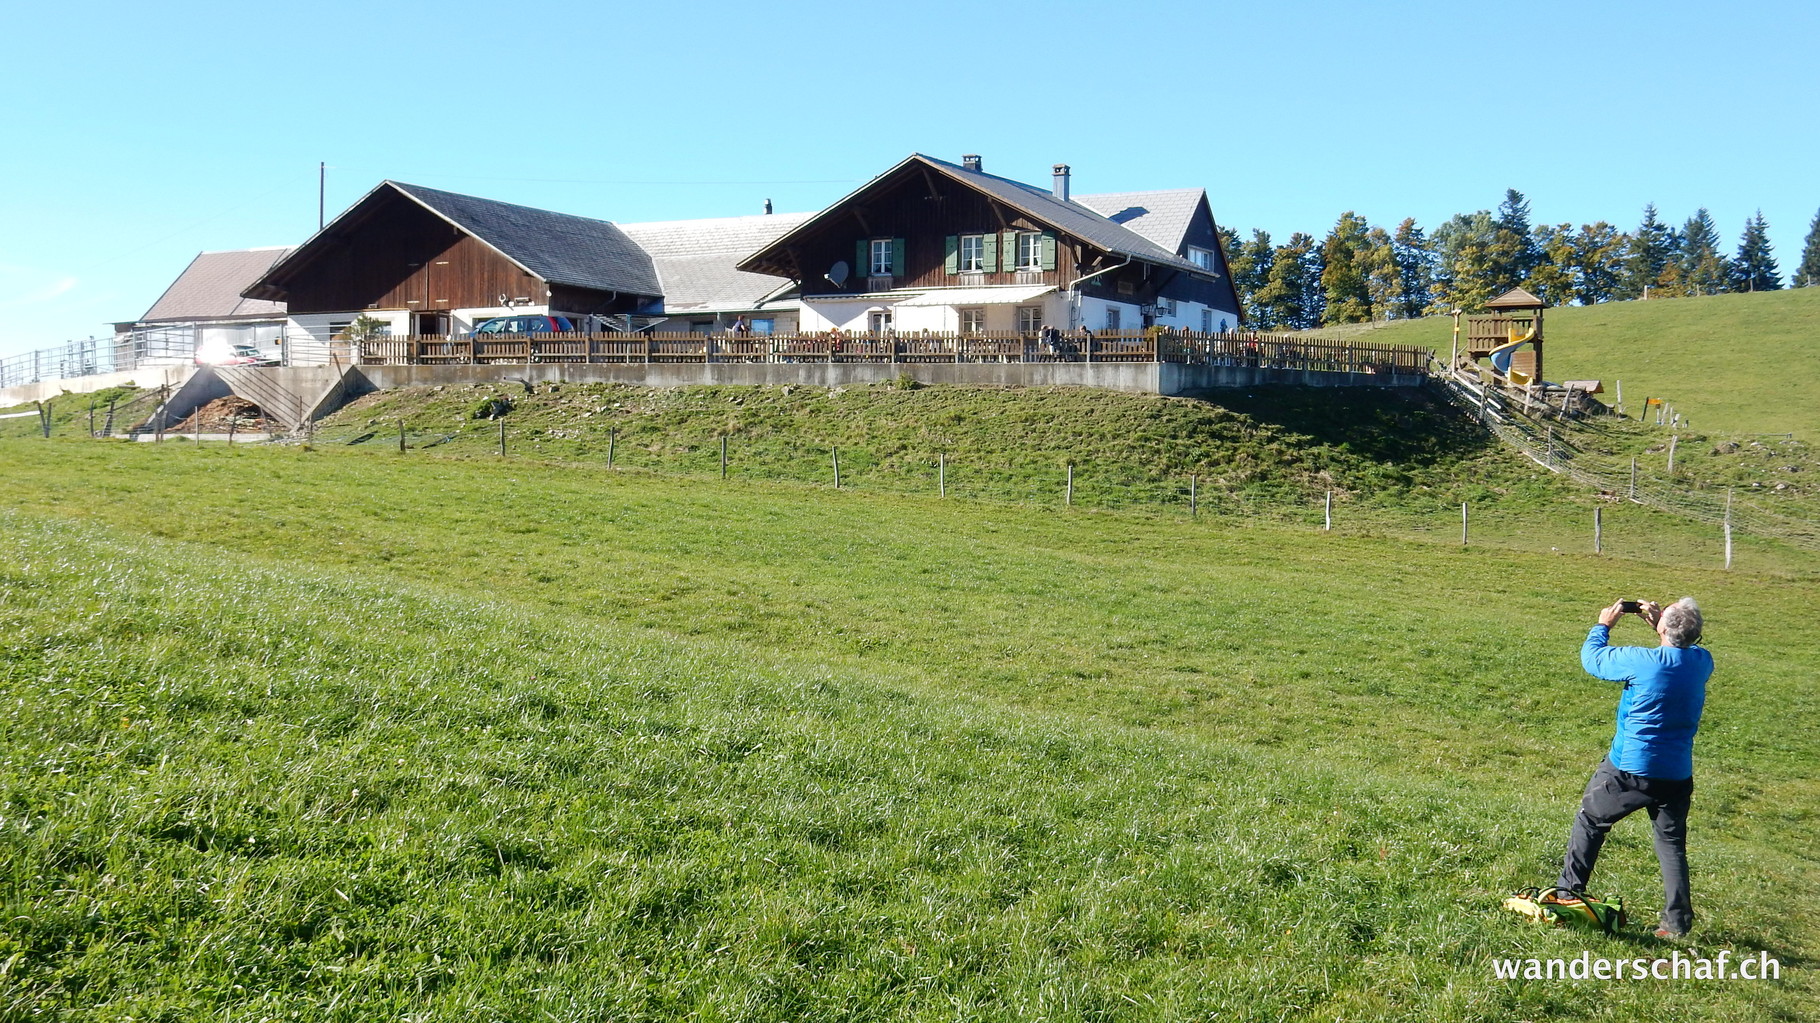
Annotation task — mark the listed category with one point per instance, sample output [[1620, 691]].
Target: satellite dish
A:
[[837, 274]]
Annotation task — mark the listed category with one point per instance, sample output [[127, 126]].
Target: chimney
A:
[[971, 161], [767, 207], [1061, 181]]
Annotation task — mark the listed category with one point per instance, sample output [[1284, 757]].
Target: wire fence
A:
[[1566, 445], [1264, 493]]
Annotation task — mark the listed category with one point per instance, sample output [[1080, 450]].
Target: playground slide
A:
[[1501, 356]]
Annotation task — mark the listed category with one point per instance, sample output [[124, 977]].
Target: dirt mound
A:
[[222, 415]]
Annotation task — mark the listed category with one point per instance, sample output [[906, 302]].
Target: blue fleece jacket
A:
[[1659, 711]]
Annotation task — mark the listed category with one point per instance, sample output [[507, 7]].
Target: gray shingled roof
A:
[[1162, 216], [695, 259], [559, 248], [1074, 217], [209, 288]]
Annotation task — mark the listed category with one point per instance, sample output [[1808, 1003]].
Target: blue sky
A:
[[137, 135]]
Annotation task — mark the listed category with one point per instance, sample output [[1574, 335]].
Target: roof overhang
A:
[[1001, 295]]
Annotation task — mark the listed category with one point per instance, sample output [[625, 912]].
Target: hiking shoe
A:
[[1561, 897]]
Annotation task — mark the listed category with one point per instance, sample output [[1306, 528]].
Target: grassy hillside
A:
[[1733, 364], [324, 735]]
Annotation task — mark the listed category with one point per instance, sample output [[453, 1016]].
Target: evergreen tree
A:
[[1755, 268], [1513, 252], [1463, 262], [1808, 273], [1703, 270], [1250, 265], [1651, 251], [1599, 258], [1290, 297], [1552, 278], [1415, 269], [1343, 271]]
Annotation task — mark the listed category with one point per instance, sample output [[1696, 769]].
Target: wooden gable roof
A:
[[556, 248], [1040, 205]]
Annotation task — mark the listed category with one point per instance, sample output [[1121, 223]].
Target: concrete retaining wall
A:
[[1136, 377], [152, 376]]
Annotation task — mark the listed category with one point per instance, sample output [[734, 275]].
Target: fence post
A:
[[612, 442], [1598, 530], [232, 423], [941, 473], [1672, 441], [91, 418], [1329, 517], [502, 435], [1550, 462], [1070, 484], [723, 456], [836, 467], [1728, 529], [401, 436], [196, 428], [1633, 477], [1193, 505], [1463, 523]]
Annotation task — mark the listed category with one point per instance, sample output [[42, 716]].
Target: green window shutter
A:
[[989, 253], [1008, 246], [897, 257], [862, 257], [952, 261], [1048, 251]]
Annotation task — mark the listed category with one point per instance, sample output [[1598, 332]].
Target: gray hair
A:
[[1682, 623]]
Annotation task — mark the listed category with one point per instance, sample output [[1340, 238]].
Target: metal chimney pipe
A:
[[1061, 181], [971, 161]]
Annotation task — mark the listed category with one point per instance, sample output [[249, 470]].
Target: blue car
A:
[[523, 324]]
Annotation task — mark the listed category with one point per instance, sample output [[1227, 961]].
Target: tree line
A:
[[1362, 273]]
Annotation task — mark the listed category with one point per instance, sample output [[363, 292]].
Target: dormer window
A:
[[1202, 258]]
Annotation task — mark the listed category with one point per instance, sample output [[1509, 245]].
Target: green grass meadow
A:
[[1732, 364], [344, 734]]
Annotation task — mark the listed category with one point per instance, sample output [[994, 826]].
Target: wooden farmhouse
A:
[[928, 245], [428, 262], [931, 245]]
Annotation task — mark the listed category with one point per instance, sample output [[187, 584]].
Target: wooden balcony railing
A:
[[1234, 348]]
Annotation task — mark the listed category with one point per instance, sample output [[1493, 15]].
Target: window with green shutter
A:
[[898, 266], [951, 260], [989, 253], [1048, 251]]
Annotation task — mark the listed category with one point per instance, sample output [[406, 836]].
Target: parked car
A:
[[523, 324], [233, 355]]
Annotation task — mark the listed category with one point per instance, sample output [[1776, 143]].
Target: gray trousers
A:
[[1613, 795]]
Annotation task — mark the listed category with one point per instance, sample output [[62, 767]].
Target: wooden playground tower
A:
[[1510, 335]]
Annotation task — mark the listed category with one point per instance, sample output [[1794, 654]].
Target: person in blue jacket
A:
[[1651, 763]]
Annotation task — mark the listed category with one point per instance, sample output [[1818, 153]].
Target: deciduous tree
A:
[[1291, 298], [1551, 279], [1463, 262], [1599, 254], [1343, 271]]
